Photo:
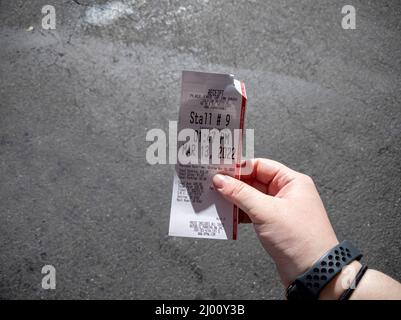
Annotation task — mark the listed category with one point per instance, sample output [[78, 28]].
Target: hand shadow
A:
[[202, 196]]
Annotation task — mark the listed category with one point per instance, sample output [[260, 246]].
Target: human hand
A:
[[287, 212]]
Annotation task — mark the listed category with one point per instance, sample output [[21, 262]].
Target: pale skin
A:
[[292, 224]]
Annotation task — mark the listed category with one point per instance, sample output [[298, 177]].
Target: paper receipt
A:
[[210, 125]]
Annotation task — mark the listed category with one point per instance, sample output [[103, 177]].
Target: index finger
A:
[[272, 173]]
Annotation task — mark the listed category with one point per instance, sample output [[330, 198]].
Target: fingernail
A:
[[220, 180]]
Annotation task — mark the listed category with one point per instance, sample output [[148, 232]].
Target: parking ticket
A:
[[210, 125]]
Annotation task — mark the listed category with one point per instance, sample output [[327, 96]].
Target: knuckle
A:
[[306, 179]]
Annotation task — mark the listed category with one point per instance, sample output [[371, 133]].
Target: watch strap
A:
[[308, 285], [347, 293]]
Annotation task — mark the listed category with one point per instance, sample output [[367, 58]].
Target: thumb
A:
[[259, 206]]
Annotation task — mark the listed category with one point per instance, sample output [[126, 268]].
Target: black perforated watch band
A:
[[308, 285]]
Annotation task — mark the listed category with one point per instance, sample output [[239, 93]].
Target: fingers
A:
[[259, 206], [272, 173]]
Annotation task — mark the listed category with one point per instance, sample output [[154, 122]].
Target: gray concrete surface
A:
[[76, 102]]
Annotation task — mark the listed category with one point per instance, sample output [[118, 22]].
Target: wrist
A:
[[340, 283], [328, 277]]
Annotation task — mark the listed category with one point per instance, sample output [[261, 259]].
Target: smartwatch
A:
[[308, 285]]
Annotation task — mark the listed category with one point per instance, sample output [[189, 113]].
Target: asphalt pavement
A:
[[76, 102]]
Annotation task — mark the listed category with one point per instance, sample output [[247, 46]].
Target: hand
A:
[[287, 212]]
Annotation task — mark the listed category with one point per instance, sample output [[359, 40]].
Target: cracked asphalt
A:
[[76, 103]]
